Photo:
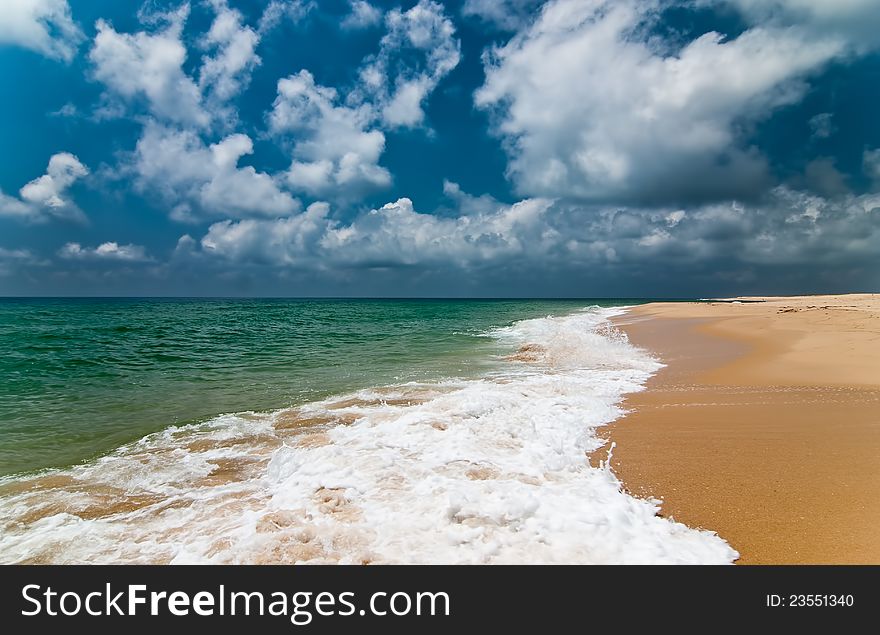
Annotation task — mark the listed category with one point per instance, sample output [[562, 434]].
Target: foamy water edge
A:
[[486, 470]]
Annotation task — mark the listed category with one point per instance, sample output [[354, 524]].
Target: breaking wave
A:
[[492, 469]]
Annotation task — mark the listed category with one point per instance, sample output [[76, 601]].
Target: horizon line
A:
[[328, 297]]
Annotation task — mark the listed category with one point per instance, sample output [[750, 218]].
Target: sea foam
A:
[[487, 470]]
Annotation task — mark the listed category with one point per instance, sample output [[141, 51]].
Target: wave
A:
[[492, 469]]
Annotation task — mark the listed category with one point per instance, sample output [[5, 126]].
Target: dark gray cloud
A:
[[809, 242], [787, 229]]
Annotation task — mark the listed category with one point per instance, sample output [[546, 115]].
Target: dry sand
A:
[[764, 426]]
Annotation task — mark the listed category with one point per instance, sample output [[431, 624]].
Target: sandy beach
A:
[[764, 426]]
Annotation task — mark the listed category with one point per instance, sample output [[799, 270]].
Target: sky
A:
[[477, 148]]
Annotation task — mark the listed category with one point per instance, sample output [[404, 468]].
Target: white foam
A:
[[487, 470]]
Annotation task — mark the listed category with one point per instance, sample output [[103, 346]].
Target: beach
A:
[[764, 425], [472, 432], [337, 431]]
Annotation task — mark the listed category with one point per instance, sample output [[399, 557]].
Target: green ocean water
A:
[[80, 377]]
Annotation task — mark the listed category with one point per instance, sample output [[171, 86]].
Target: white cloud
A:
[[105, 251], [674, 218], [284, 241], [362, 15], [858, 21], [278, 10], [63, 170], [418, 49], [47, 195], [393, 235], [12, 207], [399, 235], [337, 140], [228, 72], [590, 104], [149, 66], [179, 166], [788, 228], [172, 157], [469, 204], [185, 247], [507, 15], [658, 236], [44, 26], [335, 146]]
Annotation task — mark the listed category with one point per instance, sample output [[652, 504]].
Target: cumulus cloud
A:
[[787, 231], [13, 207], [336, 147], [466, 203], [148, 66], [63, 170], [44, 26], [362, 15], [172, 158], [506, 15], [205, 180], [591, 104], [105, 251], [234, 44], [46, 195], [397, 234], [392, 236], [337, 140], [283, 241], [418, 49], [857, 21]]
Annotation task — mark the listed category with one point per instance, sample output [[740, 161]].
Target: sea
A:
[[322, 431]]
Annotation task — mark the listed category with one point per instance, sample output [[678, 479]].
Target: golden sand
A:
[[765, 425]]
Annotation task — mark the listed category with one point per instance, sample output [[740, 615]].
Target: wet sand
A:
[[764, 426]]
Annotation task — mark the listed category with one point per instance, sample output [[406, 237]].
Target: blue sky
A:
[[471, 148]]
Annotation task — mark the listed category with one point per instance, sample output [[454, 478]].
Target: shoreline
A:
[[764, 426], [481, 470]]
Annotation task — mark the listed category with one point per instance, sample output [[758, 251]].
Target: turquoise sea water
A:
[[79, 377], [321, 431]]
